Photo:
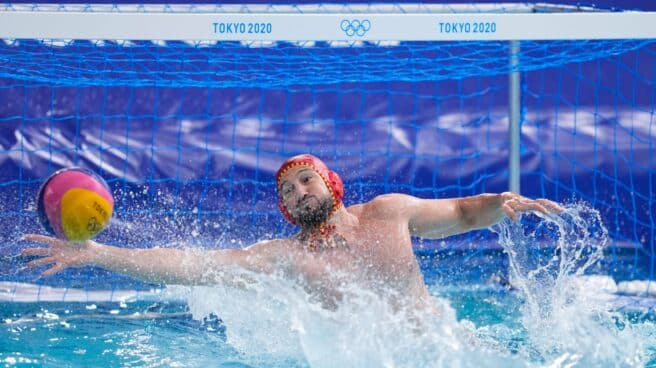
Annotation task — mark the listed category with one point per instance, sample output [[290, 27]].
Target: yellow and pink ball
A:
[[75, 204]]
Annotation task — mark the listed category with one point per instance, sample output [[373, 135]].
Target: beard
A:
[[309, 217]]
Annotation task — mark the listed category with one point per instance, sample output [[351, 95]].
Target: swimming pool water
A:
[[161, 333]]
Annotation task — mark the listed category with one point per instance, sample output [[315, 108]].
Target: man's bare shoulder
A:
[[386, 205]]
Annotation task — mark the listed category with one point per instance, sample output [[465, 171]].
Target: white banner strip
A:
[[326, 27]]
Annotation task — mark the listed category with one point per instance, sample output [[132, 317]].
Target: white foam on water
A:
[[276, 320], [637, 287]]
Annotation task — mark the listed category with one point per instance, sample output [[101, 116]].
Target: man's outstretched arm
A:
[[159, 265], [439, 218]]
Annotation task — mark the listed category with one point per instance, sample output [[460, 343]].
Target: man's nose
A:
[[302, 191]]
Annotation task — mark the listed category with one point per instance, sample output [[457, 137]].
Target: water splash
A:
[[563, 319], [273, 321]]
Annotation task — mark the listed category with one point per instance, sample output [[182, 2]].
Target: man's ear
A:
[[337, 185]]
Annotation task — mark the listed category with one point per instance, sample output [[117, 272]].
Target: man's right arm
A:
[[159, 265]]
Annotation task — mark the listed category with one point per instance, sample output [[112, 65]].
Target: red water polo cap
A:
[[330, 178]]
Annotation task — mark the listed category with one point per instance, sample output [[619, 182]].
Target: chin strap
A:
[[323, 237]]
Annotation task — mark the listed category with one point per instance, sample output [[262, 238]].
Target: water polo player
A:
[[367, 243]]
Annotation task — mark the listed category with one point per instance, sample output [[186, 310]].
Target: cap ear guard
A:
[[337, 186]]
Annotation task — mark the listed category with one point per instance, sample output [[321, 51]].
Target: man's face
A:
[[305, 196]]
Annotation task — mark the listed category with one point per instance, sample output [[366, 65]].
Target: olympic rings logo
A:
[[355, 27]]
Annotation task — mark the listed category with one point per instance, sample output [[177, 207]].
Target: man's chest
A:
[[372, 249], [377, 238]]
